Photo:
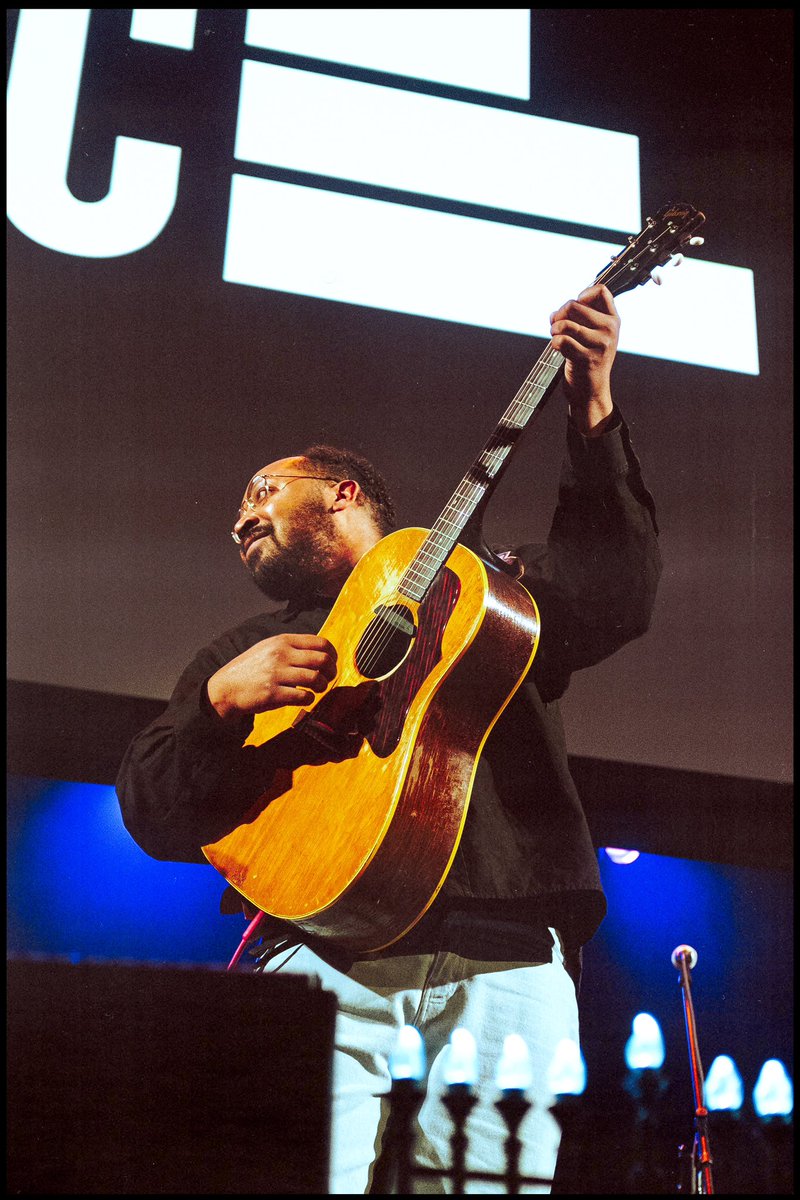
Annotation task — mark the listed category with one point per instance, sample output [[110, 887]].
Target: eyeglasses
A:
[[261, 489]]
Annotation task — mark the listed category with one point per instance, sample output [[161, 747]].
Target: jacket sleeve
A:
[[187, 779], [595, 581]]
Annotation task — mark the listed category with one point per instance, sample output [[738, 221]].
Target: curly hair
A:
[[346, 464]]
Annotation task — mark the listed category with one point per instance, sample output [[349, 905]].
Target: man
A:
[[498, 952]]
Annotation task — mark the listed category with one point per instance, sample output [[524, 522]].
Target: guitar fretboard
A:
[[481, 478]]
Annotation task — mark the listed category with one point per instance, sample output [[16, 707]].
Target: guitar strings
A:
[[546, 367], [548, 364], [399, 693]]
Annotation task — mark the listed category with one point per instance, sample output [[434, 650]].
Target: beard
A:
[[297, 562]]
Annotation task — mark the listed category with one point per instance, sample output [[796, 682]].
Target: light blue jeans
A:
[[437, 993]]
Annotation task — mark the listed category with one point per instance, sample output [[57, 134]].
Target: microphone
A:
[[684, 952]]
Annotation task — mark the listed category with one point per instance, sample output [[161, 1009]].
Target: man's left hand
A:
[[586, 332]]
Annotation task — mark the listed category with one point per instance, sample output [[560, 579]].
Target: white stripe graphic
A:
[[485, 49], [312, 242], [165, 26], [392, 138]]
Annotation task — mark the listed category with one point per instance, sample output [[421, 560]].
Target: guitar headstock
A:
[[672, 228]]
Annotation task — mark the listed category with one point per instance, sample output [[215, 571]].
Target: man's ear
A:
[[347, 494]]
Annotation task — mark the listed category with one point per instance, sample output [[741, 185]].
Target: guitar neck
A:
[[482, 477], [672, 227]]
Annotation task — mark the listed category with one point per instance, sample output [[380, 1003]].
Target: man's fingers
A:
[[593, 307], [318, 660], [592, 339], [310, 641], [305, 677], [291, 695], [582, 314], [599, 297]]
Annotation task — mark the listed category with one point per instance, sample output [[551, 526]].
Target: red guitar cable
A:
[[246, 937]]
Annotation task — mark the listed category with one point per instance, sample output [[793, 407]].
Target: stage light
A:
[[621, 857], [644, 1049], [407, 1059], [567, 1072], [514, 1071], [724, 1089], [773, 1094], [461, 1064]]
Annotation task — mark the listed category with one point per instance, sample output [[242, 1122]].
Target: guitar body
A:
[[353, 843]]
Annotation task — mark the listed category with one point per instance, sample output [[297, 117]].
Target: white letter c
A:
[[43, 90]]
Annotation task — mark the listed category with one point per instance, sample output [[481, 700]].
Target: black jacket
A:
[[526, 860]]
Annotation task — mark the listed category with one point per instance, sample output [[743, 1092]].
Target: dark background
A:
[[144, 391]]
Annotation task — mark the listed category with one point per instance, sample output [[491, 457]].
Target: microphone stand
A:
[[683, 959]]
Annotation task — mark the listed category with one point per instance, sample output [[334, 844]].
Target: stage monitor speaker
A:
[[150, 1080]]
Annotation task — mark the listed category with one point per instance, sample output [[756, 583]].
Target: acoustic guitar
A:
[[353, 839]]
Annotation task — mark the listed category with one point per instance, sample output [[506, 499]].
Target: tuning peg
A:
[[696, 241], [673, 261]]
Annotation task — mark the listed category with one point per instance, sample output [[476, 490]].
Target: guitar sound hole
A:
[[386, 640]]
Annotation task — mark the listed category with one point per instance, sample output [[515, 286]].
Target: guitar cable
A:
[[247, 936], [269, 951]]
